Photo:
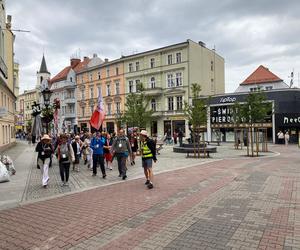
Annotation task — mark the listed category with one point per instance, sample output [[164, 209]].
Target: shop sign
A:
[[222, 114], [291, 120], [227, 99]]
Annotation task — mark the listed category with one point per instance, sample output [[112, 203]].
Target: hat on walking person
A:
[[144, 133], [46, 137]]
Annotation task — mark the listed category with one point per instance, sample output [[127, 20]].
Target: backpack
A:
[[121, 145]]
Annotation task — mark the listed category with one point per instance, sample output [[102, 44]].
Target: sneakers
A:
[[104, 176], [147, 182], [94, 174], [150, 185], [62, 184], [66, 184], [124, 177]]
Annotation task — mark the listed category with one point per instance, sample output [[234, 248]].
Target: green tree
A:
[[197, 116], [255, 110], [137, 112]]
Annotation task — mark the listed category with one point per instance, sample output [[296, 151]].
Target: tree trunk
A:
[[194, 143], [251, 141], [257, 141], [247, 136], [204, 149]]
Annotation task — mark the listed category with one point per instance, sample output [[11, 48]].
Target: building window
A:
[[269, 87], [153, 104], [130, 86], [71, 79], [108, 90], [117, 88], [212, 84], [82, 94], [109, 108], [81, 78], [117, 70], [178, 79], [92, 92], [212, 66], [107, 71], [91, 77], [170, 104], [92, 109], [179, 102], [170, 80], [138, 85], [152, 82], [118, 107], [152, 63], [178, 57], [170, 59], [137, 66], [82, 111], [99, 75], [130, 69]]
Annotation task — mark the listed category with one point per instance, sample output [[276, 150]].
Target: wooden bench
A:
[[206, 150]]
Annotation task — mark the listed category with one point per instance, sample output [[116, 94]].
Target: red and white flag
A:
[[99, 114]]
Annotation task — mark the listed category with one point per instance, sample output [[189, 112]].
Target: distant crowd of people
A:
[[97, 149]]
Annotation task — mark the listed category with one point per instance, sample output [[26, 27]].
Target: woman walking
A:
[[134, 146], [65, 156], [45, 151], [107, 151]]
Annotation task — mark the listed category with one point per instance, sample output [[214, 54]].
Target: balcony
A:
[[70, 115], [3, 67], [69, 85], [71, 100], [153, 92]]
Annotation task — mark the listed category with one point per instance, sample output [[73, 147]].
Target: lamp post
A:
[[47, 118]]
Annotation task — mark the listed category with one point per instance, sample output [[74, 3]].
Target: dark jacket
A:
[[152, 146], [44, 150], [74, 146]]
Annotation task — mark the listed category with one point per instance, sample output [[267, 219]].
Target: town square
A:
[[149, 124]]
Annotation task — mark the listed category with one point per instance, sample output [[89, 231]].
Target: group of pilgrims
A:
[[95, 150]]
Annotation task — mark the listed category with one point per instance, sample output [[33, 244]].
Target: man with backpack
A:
[[122, 149], [148, 149], [96, 145]]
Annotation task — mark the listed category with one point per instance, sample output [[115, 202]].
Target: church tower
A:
[[43, 73]]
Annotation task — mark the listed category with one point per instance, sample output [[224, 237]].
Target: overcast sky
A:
[[245, 33]]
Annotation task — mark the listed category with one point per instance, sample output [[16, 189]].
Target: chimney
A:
[[85, 58], [74, 62], [202, 44], [8, 22], [106, 60], [94, 55]]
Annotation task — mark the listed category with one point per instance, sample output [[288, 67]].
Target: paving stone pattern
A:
[[242, 203]]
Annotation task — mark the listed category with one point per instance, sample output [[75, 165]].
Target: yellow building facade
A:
[[7, 95]]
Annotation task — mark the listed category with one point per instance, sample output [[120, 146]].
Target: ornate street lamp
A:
[[46, 95], [47, 113]]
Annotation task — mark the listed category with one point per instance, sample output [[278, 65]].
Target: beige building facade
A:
[[7, 95], [167, 74], [109, 77]]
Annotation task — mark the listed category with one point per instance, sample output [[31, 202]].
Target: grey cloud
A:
[[245, 33]]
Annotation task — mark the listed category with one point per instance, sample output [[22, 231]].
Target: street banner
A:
[[98, 115]]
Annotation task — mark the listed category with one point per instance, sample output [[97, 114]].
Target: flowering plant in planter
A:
[[47, 114]]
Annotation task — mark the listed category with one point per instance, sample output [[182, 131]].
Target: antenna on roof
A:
[[292, 78]]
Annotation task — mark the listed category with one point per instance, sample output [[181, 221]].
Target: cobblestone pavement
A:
[[25, 157], [241, 203]]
